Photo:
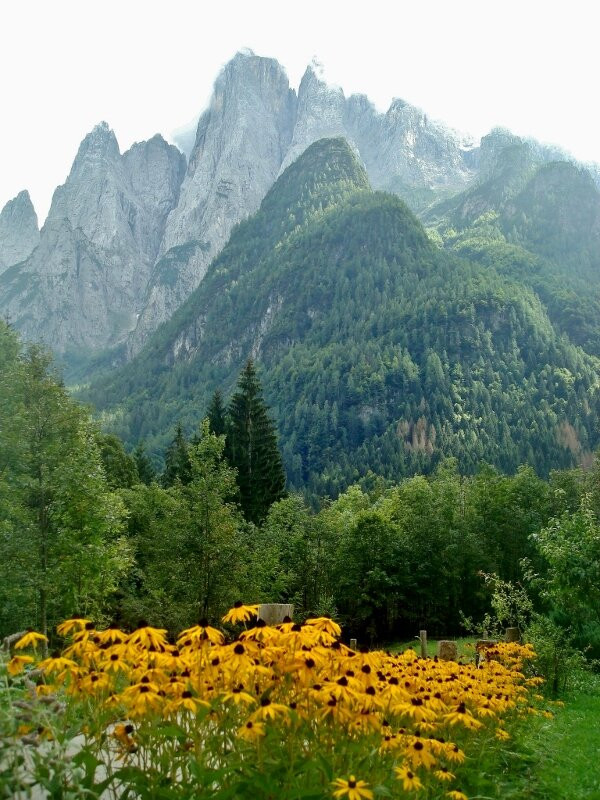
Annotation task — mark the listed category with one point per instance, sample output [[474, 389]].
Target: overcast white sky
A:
[[147, 67]]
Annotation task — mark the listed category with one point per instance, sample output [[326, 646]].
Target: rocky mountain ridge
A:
[[80, 289], [19, 232], [378, 350], [130, 236]]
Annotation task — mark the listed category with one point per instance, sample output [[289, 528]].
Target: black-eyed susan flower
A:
[[17, 664], [410, 781], [325, 624], [198, 635], [240, 613], [352, 789], [251, 731], [122, 733], [443, 774], [30, 639], [418, 752], [456, 795], [71, 625], [149, 637]]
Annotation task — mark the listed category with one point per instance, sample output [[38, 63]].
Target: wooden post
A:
[[513, 635], [423, 638], [274, 613], [353, 644]]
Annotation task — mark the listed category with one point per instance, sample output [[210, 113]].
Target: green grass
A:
[[565, 751], [466, 647]]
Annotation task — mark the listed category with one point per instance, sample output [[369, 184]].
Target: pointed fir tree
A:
[[217, 414], [177, 461], [145, 467], [252, 449]]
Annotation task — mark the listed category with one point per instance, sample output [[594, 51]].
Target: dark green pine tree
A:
[[145, 467], [217, 414], [177, 461], [252, 448]]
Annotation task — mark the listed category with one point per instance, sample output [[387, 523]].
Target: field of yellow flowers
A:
[[287, 711]]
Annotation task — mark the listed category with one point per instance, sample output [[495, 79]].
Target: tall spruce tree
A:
[[177, 461], [217, 414], [252, 448], [145, 467]]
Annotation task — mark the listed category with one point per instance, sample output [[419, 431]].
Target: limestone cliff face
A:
[[402, 150], [240, 143], [82, 286], [19, 233], [320, 115], [407, 153], [254, 128], [130, 236]]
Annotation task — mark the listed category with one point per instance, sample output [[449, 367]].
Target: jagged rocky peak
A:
[[19, 232], [240, 143], [83, 285], [155, 170], [498, 149], [420, 152], [320, 114]]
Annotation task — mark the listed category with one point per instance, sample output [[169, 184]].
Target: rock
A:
[[447, 650], [254, 128], [240, 143], [512, 635], [82, 287], [320, 114], [275, 613], [19, 233]]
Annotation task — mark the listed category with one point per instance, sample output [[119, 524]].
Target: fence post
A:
[[423, 638], [274, 613], [513, 635]]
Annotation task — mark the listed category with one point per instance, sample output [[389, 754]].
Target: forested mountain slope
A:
[[538, 223], [379, 350]]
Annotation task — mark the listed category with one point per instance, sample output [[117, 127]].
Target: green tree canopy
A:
[[252, 448], [61, 550]]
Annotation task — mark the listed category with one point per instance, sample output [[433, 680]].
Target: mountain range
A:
[[380, 350], [129, 236], [407, 295]]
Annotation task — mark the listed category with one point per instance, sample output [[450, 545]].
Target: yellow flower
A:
[[444, 774], [251, 731], [150, 638], [240, 613], [122, 735], [418, 753], [456, 795], [17, 664], [199, 634], [75, 624], [269, 710], [325, 624], [112, 636], [238, 695], [355, 790], [410, 781], [502, 734], [30, 639]]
